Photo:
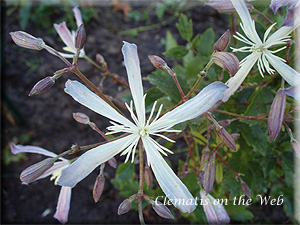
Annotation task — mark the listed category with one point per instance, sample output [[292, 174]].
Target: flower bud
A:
[[162, 210], [98, 188], [183, 174], [235, 136], [124, 207], [209, 176], [100, 58], [26, 40], [276, 114], [223, 42], [157, 62], [295, 147], [200, 177], [112, 162], [226, 60], [205, 156], [42, 86], [80, 37], [223, 123], [34, 171], [246, 189], [81, 118], [226, 138], [148, 177], [224, 5]]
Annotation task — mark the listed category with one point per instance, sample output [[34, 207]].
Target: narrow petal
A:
[[56, 166], [84, 96], [65, 34], [77, 15], [16, 149], [63, 205], [171, 185], [235, 82], [132, 64], [294, 92], [288, 73], [86, 163], [248, 24], [276, 4], [194, 107]]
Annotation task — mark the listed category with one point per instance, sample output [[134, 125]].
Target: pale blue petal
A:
[[63, 205]]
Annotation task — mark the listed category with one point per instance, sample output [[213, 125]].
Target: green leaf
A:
[[206, 42], [177, 52], [238, 213], [152, 95], [160, 10], [185, 27], [170, 41]]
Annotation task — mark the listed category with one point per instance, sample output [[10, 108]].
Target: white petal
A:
[[65, 34], [248, 24], [132, 64], [63, 205], [288, 73], [77, 15], [56, 166], [171, 185], [194, 107], [86, 163], [235, 82], [84, 96]]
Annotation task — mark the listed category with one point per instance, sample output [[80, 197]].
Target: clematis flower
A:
[[64, 199], [140, 129], [292, 10], [260, 51], [68, 37]]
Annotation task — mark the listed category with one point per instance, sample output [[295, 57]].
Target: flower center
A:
[[258, 48], [144, 131]]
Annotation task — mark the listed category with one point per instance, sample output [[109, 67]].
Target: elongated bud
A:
[[98, 188], [226, 60], [205, 156], [223, 123], [34, 171], [246, 189], [124, 207], [26, 40], [80, 37], [42, 86], [100, 58], [157, 62], [276, 114], [112, 162], [223, 42], [81, 118], [162, 210], [226, 138], [224, 5], [148, 177], [295, 147], [209, 176], [200, 177]]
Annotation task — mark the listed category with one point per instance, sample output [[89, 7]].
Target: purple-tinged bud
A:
[[224, 5], [98, 188], [26, 40], [246, 189], [124, 207], [80, 37], [42, 86], [112, 162], [200, 177], [295, 147], [205, 156], [100, 58], [34, 171], [226, 138], [157, 62], [223, 42], [276, 114], [226, 60], [235, 136], [223, 123], [209, 176], [183, 174], [162, 210], [148, 177], [81, 118]]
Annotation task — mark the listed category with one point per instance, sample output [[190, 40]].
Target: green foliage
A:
[[185, 27]]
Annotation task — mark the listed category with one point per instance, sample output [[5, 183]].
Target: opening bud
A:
[[42, 86], [80, 37], [98, 188], [226, 138], [224, 5], [162, 210], [124, 207], [26, 40], [223, 42], [226, 60], [276, 114], [148, 177], [295, 147], [246, 189], [157, 62], [223, 123], [81, 118], [34, 171], [209, 176]]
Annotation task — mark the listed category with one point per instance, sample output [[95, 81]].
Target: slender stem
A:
[[58, 54], [194, 87], [235, 173], [265, 17], [141, 183]]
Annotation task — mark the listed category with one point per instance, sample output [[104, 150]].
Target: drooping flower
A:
[[68, 37], [64, 199], [260, 51], [292, 10], [139, 130]]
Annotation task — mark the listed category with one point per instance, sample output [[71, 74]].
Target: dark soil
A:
[[47, 118]]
